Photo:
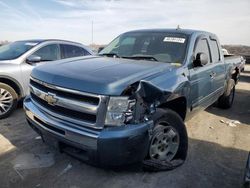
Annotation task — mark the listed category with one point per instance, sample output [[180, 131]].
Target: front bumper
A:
[[107, 147]]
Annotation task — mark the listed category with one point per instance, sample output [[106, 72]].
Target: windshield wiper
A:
[[110, 54], [136, 57], [141, 57]]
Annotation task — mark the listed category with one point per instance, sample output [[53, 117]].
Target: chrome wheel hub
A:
[[6, 101], [165, 143]]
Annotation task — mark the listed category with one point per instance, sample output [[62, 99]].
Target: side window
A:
[[215, 51], [48, 53], [69, 51], [202, 46]]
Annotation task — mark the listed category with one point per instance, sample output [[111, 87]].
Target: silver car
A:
[[17, 60]]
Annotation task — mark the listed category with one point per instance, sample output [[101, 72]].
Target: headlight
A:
[[119, 111]]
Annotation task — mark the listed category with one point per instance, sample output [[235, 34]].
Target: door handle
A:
[[212, 75]]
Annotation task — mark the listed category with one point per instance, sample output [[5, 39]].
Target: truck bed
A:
[[236, 60]]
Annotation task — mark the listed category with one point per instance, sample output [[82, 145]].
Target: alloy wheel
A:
[[164, 143], [6, 101]]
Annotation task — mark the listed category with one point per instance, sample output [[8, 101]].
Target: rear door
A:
[[218, 72], [201, 82]]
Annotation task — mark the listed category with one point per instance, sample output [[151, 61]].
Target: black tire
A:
[[226, 101], [173, 120], [13, 104], [246, 181]]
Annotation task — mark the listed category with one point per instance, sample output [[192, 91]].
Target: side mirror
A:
[[33, 59], [100, 49], [201, 59]]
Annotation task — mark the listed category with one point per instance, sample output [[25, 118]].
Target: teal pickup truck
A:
[[129, 103]]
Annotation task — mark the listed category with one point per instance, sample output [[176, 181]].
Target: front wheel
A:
[[8, 100], [169, 142]]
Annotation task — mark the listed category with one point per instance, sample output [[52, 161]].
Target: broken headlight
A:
[[120, 111]]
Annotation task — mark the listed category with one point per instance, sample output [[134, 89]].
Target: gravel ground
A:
[[217, 154]]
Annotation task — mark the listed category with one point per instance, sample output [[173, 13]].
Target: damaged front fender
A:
[[150, 93], [148, 97]]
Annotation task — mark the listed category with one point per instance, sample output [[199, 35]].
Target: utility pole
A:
[[92, 32]]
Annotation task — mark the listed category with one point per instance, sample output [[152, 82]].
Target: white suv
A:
[[17, 60]]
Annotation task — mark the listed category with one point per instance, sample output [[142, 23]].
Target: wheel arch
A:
[[177, 104], [14, 84]]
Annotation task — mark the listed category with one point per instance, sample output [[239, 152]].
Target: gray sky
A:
[[71, 20]]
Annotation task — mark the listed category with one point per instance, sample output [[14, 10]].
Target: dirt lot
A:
[[217, 154]]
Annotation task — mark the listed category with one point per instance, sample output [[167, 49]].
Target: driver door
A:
[[200, 79]]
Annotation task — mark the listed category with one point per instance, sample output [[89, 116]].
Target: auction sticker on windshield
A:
[[174, 39]]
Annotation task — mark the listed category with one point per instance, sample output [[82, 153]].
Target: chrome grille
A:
[[69, 105]]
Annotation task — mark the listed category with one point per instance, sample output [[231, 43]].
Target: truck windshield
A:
[[15, 49], [153, 46]]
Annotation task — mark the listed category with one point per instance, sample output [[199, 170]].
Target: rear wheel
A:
[[169, 142], [8, 100], [226, 100]]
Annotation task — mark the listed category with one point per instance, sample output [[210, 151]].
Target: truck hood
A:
[[99, 75]]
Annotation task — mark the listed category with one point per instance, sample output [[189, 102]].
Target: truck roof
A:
[[182, 31]]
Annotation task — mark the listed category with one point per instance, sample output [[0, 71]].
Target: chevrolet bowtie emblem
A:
[[51, 98]]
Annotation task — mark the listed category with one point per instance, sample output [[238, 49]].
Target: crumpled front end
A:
[[68, 119]]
